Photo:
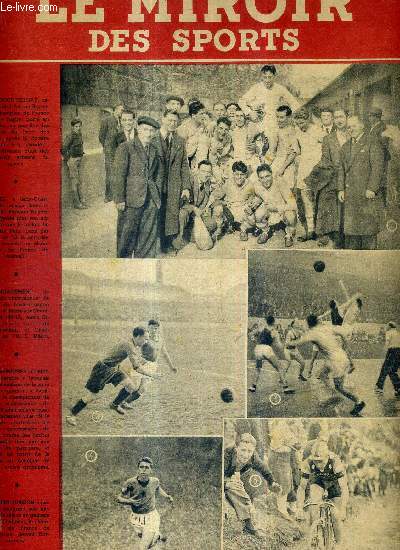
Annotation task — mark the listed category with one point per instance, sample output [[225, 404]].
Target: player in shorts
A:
[[109, 371], [324, 474], [329, 341], [153, 348], [294, 355], [140, 494], [269, 347]]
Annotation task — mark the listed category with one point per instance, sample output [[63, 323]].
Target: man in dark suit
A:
[[137, 184], [360, 187], [323, 182], [172, 151], [376, 128], [109, 128], [127, 131]]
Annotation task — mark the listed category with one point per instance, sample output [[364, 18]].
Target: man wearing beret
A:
[[138, 176]]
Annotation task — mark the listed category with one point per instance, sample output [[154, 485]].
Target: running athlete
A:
[[152, 349], [292, 334], [140, 493], [269, 348], [329, 341], [325, 475], [109, 371]]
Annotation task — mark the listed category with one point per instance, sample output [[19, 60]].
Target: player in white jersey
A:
[[140, 494], [329, 341], [153, 348], [294, 355]]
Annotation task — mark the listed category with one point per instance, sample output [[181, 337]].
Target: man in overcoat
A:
[[110, 126], [360, 187], [137, 188], [176, 183]]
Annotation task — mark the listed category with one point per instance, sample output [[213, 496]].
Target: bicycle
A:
[[322, 532]]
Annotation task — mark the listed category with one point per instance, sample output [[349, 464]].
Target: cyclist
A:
[[325, 474]]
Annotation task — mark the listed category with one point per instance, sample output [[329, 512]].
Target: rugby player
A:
[[269, 348], [294, 354], [108, 371], [325, 338], [140, 493], [153, 348]]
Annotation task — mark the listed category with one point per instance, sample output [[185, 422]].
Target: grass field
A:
[[209, 357], [311, 397], [188, 469]]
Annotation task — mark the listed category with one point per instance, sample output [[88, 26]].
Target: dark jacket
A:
[[254, 463], [361, 168], [136, 173], [176, 177], [108, 130], [72, 146]]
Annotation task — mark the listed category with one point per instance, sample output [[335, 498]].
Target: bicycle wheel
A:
[[329, 533], [316, 536]]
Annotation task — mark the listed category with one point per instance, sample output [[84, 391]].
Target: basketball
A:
[[319, 266], [227, 395]]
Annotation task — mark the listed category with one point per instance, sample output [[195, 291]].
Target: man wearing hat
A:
[[138, 177], [109, 128], [72, 151]]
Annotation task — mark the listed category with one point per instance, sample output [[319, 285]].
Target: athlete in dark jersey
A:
[[107, 371], [325, 476], [140, 494]]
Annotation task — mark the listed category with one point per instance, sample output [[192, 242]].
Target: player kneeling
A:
[[140, 493]]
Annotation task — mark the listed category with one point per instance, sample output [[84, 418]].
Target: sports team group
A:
[[255, 167]]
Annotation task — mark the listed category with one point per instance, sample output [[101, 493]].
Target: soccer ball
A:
[[227, 395], [319, 266]]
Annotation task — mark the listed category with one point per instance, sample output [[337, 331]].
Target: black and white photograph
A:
[[153, 347], [306, 484], [208, 161], [323, 334], [142, 493]]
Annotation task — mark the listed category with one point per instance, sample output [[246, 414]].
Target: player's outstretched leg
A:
[[259, 364], [359, 405], [79, 406]]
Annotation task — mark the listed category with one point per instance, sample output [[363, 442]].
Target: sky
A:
[[311, 78], [194, 276]]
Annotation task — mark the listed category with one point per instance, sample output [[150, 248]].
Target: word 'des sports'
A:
[[93, 11]]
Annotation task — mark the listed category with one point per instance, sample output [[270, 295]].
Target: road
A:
[[313, 399]]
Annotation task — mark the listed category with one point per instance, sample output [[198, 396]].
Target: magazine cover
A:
[[200, 260]]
